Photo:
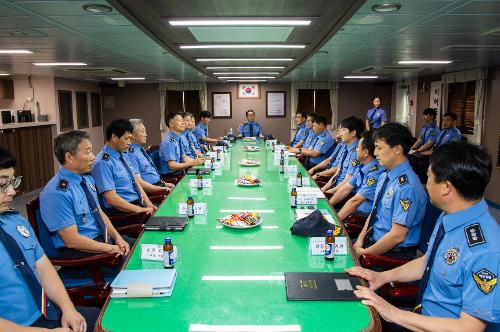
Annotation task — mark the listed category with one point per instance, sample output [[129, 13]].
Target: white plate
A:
[[243, 162], [250, 148], [241, 225]]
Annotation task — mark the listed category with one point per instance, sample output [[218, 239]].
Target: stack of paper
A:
[[144, 283]]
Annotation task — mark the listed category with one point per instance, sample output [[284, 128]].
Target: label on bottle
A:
[[200, 183], [293, 201], [299, 181], [190, 210], [329, 250], [168, 259]]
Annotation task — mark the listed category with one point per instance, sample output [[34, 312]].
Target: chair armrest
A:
[[356, 219], [402, 289], [130, 217], [353, 229], [387, 263], [157, 199], [94, 260], [164, 191], [131, 230]]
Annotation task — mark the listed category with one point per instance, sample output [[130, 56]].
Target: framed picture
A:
[[221, 104], [275, 104], [248, 90]]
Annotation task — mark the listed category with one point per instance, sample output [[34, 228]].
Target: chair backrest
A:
[[41, 230], [155, 156], [152, 148], [432, 214]]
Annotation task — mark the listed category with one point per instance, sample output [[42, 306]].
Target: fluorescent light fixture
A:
[[4, 74], [360, 77], [243, 59], [127, 78], [246, 67], [247, 81], [15, 52], [240, 22], [233, 77], [246, 247], [425, 62], [243, 328], [247, 198], [243, 278], [386, 7], [204, 46], [249, 73], [53, 64]]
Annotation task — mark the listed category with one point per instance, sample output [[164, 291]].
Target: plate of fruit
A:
[[241, 220], [248, 180], [249, 139], [251, 148], [249, 162]]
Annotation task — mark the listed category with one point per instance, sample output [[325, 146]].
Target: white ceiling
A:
[[139, 42]]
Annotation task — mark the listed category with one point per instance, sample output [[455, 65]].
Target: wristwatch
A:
[[300, 150]]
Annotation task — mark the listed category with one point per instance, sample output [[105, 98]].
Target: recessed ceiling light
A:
[[15, 52], [386, 7], [240, 22], [185, 47], [248, 81], [249, 77], [4, 74], [247, 67], [51, 64], [425, 62], [97, 9], [248, 73], [127, 78], [243, 59], [360, 77]]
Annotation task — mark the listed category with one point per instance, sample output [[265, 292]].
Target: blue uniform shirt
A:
[[109, 173], [300, 135], [464, 274], [448, 135], [201, 131], [322, 143], [192, 140], [337, 154], [375, 117], [311, 136], [350, 162], [170, 149], [403, 202], [256, 129], [364, 182], [63, 204], [17, 304], [140, 162], [186, 147], [429, 132]]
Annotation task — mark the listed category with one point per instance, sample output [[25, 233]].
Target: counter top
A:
[[26, 124]]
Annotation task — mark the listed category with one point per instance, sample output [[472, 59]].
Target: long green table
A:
[[209, 254]]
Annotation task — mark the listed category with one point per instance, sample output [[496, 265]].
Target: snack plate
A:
[[244, 162], [250, 148], [237, 223], [239, 183]]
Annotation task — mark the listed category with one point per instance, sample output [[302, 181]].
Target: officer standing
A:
[[459, 273], [251, 128], [375, 116], [322, 145]]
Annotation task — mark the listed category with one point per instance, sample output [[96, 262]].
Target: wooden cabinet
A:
[[6, 89]]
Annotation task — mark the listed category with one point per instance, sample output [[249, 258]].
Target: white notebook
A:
[[144, 283]]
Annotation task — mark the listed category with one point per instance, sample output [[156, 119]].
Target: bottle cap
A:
[[329, 232], [168, 240]]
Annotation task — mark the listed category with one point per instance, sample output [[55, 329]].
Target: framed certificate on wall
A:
[[275, 104], [221, 104]]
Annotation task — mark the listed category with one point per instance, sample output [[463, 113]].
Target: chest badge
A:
[[92, 187], [451, 255], [389, 192], [23, 231], [485, 280]]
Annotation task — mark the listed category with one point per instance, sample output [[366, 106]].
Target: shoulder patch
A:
[[405, 204], [374, 168], [485, 280], [371, 181], [474, 235], [105, 156], [130, 149], [63, 185], [354, 162], [403, 179]]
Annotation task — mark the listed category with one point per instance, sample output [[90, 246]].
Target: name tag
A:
[[214, 155], [217, 164], [317, 246], [277, 155], [216, 147], [291, 169], [199, 208], [154, 252], [269, 143], [206, 183], [307, 199], [292, 181]]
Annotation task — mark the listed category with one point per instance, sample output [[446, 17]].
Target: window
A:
[[95, 109], [192, 103], [174, 102], [183, 101], [461, 98], [65, 110], [82, 110], [317, 101]]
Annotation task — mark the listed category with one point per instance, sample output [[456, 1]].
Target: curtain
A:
[[479, 110]]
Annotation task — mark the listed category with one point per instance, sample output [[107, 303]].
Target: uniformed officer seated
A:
[[69, 205], [321, 146], [362, 184], [450, 132], [251, 128], [301, 131], [193, 141], [142, 164], [395, 221], [173, 158], [309, 135], [201, 131], [33, 295], [114, 177], [192, 147], [459, 272], [428, 133]]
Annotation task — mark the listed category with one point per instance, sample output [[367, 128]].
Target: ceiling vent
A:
[[97, 71], [387, 70]]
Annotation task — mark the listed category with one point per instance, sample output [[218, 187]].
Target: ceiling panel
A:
[[478, 7], [240, 34]]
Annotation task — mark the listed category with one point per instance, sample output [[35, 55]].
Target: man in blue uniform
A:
[[459, 273], [309, 135], [375, 116], [173, 158], [201, 131], [32, 294], [69, 205], [251, 128], [114, 177], [301, 131], [189, 139], [450, 132], [324, 170], [142, 164], [362, 184], [428, 133], [394, 225], [322, 145]]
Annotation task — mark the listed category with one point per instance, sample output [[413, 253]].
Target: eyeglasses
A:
[[15, 183]]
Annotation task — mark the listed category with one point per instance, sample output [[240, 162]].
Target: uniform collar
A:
[[457, 219], [353, 145], [184, 133], [323, 132], [135, 145], [366, 168], [174, 135], [400, 169], [431, 125], [69, 175], [112, 152], [201, 124], [302, 125]]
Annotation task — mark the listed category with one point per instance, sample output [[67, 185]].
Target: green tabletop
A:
[[209, 254]]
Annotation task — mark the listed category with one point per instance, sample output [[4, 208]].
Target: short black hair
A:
[[170, 116], [205, 114], [430, 111], [246, 113], [367, 143], [312, 115], [452, 115], [68, 142], [375, 97], [353, 123], [118, 127], [320, 119], [302, 113], [466, 166], [7, 159], [186, 114], [394, 134]]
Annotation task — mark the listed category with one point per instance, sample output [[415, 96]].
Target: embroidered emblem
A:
[[389, 192], [322, 143], [172, 139], [354, 162], [63, 185], [105, 156], [485, 280], [374, 168], [474, 235], [405, 204], [451, 255], [402, 179], [23, 231], [371, 181], [130, 149]]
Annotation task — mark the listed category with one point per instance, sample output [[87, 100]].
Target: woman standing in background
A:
[[376, 116]]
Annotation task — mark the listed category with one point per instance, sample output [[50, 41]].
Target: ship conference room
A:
[[249, 166]]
